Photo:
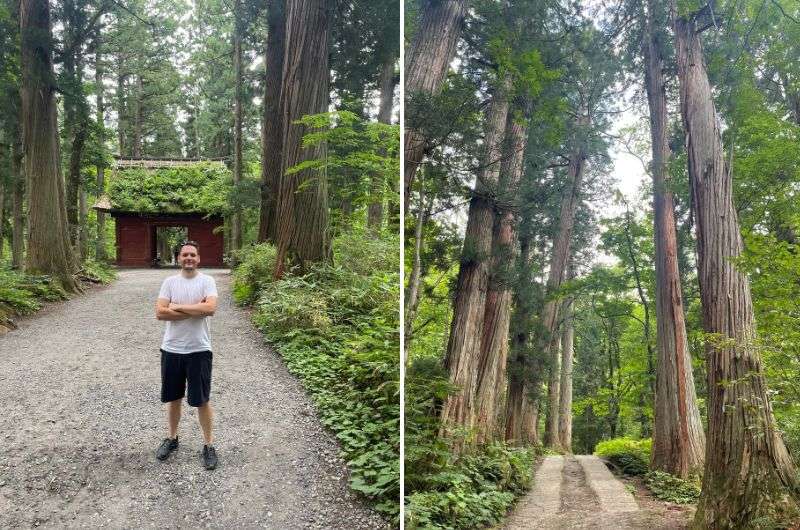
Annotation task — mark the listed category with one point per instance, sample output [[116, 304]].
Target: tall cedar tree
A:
[[463, 348], [272, 124], [565, 387], [49, 248], [497, 313], [548, 339], [678, 439], [524, 377], [303, 225], [100, 246], [386, 84], [749, 474], [238, 29], [426, 66]]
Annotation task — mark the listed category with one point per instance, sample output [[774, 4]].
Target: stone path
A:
[[81, 419], [579, 492]]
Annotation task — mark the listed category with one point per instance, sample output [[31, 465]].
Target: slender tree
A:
[[565, 387], [749, 474], [238, 29], [387, 83], [18, 207], [548, 339], [100, 245]]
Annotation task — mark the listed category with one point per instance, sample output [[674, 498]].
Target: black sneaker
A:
[[166, 447], [209, 456]]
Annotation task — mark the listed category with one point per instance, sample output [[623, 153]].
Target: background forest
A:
[[297, 98], [550, 298]]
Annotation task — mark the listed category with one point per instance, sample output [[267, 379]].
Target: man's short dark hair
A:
[[189, 243]]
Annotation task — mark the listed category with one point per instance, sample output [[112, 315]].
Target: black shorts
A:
[[178, 368]]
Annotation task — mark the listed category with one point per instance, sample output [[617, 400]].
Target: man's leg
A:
[[205, 414], [173, 417]]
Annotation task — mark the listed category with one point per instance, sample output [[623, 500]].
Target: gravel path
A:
[[81, 419], [590, 498]]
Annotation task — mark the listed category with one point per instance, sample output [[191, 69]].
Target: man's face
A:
[[189, 259]]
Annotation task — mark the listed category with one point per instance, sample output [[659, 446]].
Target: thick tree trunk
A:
[[497, 313], [678, 439], [272, 124], [429, 57], [548, 341], [387, 84], [49, 250], [100, 247], [522, 414], [303, 231], [463, 348], [565, 395], [236, 217], [749, 474]]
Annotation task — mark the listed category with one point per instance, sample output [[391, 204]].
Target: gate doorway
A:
[[164, 250]]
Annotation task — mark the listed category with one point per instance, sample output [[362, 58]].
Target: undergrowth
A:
[[670, 488], [23, 294], [337, 329], [443, 490], [630, 456]]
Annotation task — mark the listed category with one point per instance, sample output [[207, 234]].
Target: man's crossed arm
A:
[[165, 310]]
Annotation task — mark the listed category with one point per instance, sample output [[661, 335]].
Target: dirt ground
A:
[[580, 506], [81, 420]]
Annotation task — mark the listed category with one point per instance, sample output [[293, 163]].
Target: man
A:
[[185, 301]]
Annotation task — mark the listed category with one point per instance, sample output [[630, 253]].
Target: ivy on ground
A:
[[337, 329], [23, 294], [446, 491]]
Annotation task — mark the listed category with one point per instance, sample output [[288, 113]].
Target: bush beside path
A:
[[82, 419]]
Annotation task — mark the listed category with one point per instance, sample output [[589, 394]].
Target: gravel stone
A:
[[81, 420]]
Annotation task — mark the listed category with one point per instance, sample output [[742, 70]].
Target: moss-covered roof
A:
[[182, 188]]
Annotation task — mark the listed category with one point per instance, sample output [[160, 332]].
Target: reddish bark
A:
[[429, 57], [749, 474]]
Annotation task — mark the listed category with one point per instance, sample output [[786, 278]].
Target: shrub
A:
[[673, 489], [256, 264], [630, 456], [97, 272], [22, 294], [337, 329], [445, 491], [471, 492]]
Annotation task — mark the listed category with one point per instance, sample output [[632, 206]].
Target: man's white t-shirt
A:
[[192, 334]]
